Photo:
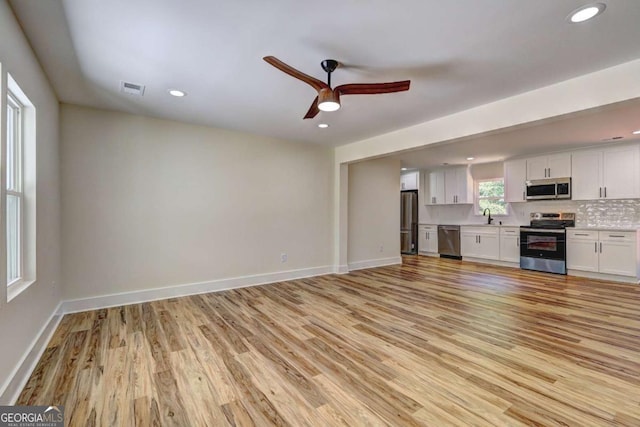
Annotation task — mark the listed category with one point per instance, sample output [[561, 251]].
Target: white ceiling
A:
[[458, 54], [597, 127]]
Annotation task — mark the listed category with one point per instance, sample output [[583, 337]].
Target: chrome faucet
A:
[[484, 213]]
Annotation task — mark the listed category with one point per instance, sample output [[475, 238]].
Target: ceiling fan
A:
[[329, 99]]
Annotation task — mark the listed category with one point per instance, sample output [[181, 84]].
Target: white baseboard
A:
[[492, 262], [370, 263], [431, 254], [341, 269], [603, 276], [125, 298], [13, 386]]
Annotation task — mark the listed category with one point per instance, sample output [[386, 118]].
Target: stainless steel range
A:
[[543, 243]]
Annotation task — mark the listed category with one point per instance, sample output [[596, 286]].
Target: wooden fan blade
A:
[[313, 110], [372, 88], [312, 81]]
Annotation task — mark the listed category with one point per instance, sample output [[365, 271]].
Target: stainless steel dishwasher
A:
[[449, 241]]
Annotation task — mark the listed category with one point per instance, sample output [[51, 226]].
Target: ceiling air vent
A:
[[131, 88]]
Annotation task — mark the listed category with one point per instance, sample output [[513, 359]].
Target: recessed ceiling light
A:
[[323, 125], [586, 12], [470, 158], [636, 132], [403, 169], [176, 92]]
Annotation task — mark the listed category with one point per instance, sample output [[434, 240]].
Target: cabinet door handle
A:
[[581, 234], [600, 247], [595, 244], [615, 235], [600, 191], [605, 191], [523, 197], [479, 239], [517, 242]]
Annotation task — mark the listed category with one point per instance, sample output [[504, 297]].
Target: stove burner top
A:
[[553, 221], [547, 226]]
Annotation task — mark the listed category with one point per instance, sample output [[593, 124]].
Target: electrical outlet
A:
[[283, 257], [381, 248]]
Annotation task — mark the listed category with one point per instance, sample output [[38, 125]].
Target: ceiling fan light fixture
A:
[[323, 125], [586, 13], [636, 132], [329, 106], [328, 100]]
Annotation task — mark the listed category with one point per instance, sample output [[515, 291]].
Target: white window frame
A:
[[15, 182], [19, 180], [477, 198]]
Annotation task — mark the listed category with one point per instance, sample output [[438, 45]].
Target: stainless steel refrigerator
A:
[[409, 222]]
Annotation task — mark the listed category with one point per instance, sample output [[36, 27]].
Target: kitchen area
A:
[[575, 212]]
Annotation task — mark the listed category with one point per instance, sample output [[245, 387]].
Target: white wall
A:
[[374, 213], [151, 203], [22, 319]]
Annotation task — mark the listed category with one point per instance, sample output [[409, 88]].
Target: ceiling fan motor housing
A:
[[328, 95]]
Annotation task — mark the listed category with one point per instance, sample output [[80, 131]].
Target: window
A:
[[14, 194], [19, 190], [490, 194]]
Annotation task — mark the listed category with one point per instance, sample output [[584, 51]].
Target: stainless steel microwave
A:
[[549, 189]]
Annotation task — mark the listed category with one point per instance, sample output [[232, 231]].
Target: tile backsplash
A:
[[609, 213], [592, 213]]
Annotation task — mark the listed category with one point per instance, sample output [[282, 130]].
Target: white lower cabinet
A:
[[510, 244], [428, 239], [608, 252], [618, 253], [480, 242], [582, 250]]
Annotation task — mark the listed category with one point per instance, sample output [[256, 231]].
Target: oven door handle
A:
[[545, 230]]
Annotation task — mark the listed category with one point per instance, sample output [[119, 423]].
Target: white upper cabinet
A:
[[458, 185], [613, 173], [621, 173], [409, 181], [436, 188], [450, 186], [515, 175], [551, 166], [586, 181]]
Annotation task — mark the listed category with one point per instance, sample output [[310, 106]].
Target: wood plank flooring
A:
[[432, 342]]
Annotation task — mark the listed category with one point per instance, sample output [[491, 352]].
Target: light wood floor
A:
[[432, 342]]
